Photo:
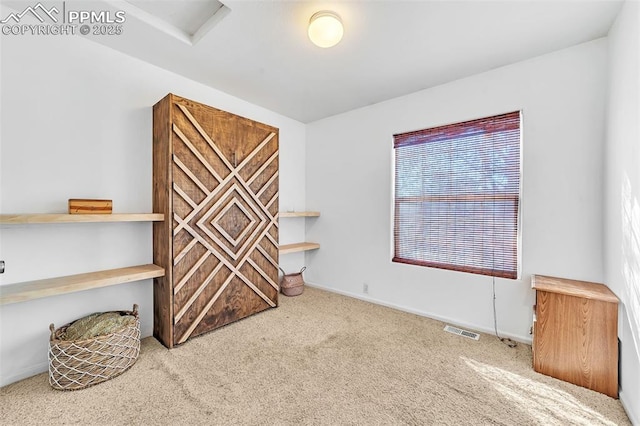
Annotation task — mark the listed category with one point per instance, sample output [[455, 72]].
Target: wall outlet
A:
[[365, 288]]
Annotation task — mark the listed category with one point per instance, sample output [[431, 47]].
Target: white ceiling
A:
[[259, 50]]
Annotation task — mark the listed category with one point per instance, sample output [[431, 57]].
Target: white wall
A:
[[622, 195], [76, 122], [349, 172]]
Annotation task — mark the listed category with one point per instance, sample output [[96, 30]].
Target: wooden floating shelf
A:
[[15, 219], [293, 248], [29, 290], [299, 214]]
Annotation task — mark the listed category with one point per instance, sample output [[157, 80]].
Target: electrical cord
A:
[[505, 340]]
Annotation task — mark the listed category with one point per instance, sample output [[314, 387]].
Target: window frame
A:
[[515, 275]]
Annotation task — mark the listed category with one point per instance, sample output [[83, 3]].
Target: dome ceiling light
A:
[[325, 28]]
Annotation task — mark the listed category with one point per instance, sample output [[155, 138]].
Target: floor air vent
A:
[[461, 332]]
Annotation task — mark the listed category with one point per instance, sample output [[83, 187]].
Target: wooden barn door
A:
[[224, 196]]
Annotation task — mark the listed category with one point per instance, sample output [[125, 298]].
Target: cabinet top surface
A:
[[576, 288], [179, 100]]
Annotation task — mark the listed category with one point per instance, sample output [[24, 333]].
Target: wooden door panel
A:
[[236, 297], [225, 189]]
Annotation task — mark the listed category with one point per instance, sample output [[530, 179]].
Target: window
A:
[[457, 196]]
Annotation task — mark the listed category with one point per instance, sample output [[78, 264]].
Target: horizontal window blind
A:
[[457, 196]]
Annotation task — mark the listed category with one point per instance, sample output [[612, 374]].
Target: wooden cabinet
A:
[[215, 177], [575, 333]]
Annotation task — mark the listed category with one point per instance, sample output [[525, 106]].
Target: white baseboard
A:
[[25, 373], [628, 408], [474, 327]]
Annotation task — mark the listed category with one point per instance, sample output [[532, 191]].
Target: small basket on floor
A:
[[292, 284], [76, 364]]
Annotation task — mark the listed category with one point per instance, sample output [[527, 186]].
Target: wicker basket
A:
[[292, 284], [82, 363]]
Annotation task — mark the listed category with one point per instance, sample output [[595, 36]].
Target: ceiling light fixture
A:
[[325, 28]]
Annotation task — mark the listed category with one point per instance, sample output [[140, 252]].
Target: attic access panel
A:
[[188, 21]]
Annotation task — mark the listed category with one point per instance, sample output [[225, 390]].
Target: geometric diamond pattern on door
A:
[[222, 198]]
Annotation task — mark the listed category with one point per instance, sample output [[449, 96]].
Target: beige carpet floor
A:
[[320, 359]]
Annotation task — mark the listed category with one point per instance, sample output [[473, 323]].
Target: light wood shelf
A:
[[296, 247], [29, 290], [299, 214], [15, 219]]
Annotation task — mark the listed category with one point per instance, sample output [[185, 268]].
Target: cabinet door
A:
[[576, 340], [225, 231]]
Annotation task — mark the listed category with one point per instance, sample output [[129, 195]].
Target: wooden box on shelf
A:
[[575, 333], [84, 206]]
